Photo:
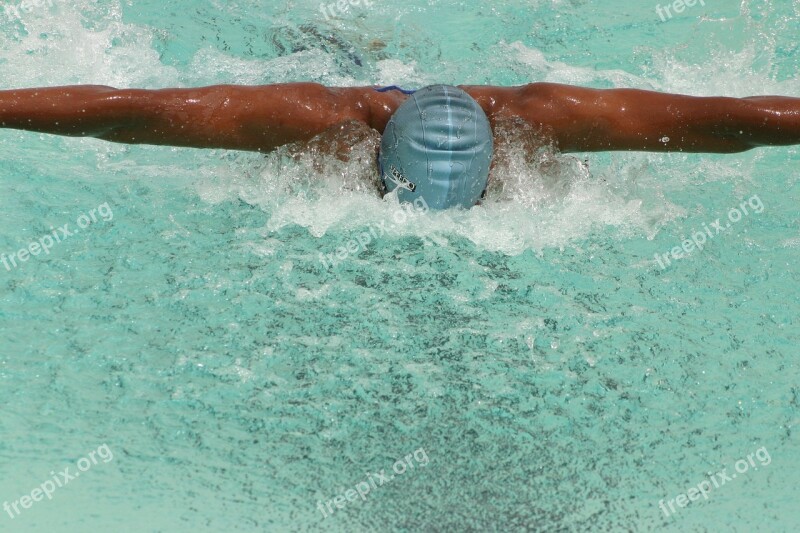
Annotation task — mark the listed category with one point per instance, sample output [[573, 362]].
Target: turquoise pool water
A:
[[529, 362]]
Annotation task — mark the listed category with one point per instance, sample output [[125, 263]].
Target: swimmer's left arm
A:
[[590, 120]]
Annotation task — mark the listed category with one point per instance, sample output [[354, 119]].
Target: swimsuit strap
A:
[[394, 88]]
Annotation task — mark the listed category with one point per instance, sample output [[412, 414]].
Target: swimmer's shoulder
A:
[[519, 100]]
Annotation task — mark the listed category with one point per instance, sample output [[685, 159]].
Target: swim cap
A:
[[438, 147]]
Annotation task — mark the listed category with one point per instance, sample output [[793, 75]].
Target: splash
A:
[[537, 197], [87, 41]]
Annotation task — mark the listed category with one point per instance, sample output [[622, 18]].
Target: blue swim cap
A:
[[438, 147]]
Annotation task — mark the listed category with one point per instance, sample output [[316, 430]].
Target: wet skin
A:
[[262, 118]]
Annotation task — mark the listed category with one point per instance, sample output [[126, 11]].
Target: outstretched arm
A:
[[261, 118], [258, 118], [591, 120]]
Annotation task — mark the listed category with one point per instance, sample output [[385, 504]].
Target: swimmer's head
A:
[[437, 147]]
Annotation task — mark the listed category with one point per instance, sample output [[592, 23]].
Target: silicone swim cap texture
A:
[[437, 146]]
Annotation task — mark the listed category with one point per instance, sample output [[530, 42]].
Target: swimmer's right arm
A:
[[255, 118]]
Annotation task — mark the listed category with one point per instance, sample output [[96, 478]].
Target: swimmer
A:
[[437, 142]]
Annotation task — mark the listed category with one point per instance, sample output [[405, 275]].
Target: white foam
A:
[[395, 72], [540, 68], [534, 202], [52, 42], [210, 65], [728, 73]]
